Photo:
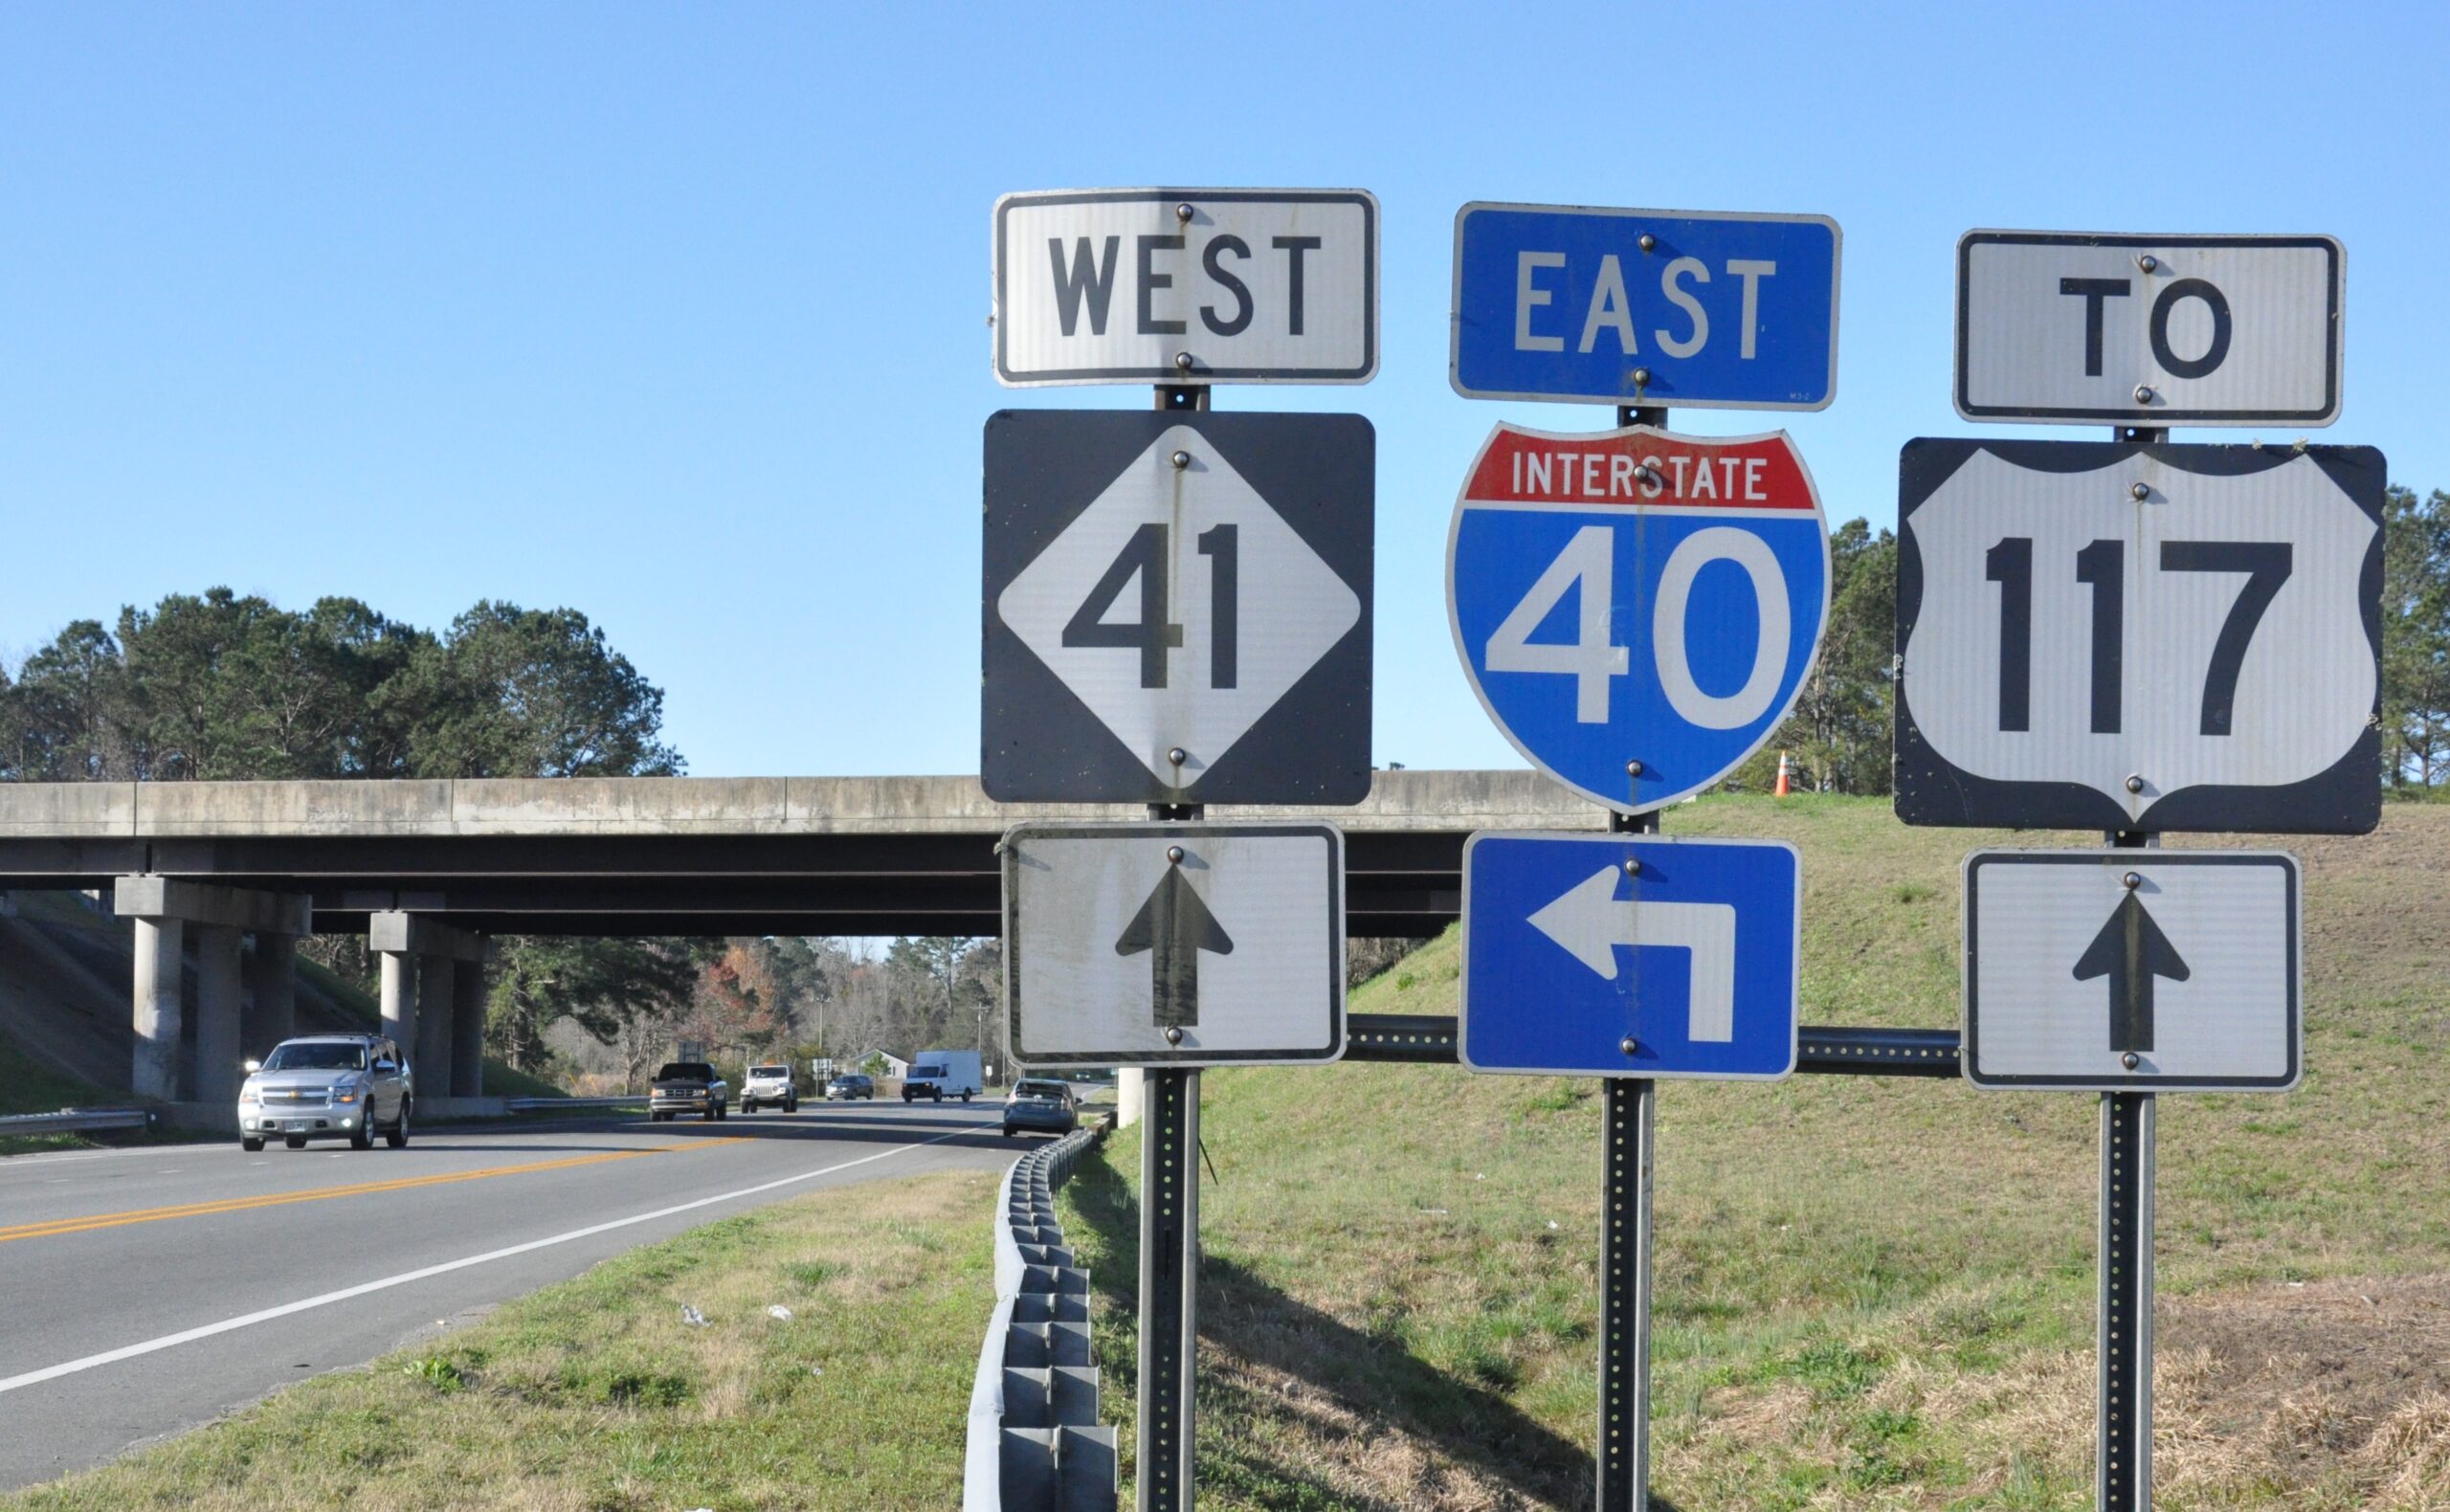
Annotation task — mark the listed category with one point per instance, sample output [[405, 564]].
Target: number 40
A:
[[1587, 566]]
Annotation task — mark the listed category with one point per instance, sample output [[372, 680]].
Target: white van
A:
[[940, 1073]]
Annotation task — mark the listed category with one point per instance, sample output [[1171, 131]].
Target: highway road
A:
[[145, 1291]]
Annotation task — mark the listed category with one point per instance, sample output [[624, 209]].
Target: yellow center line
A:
[[201, 1209]]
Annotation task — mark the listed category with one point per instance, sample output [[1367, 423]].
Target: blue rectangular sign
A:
[[1691, 309], [1631, 955]]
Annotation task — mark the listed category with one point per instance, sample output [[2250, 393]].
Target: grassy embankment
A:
[[596, 1395], [1869, 1292]]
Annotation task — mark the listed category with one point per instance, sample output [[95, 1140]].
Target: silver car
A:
[[327, 1086]]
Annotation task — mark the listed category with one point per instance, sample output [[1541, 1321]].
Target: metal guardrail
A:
[[1033, 1440], [75, 1121], [539, 1105], [1825, 1050]]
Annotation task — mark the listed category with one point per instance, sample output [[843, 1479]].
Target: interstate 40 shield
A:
[[1637, 610]]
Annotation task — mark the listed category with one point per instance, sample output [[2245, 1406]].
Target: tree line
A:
[[1839, 735]]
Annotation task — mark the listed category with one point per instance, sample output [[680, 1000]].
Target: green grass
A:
[[596, 1394], [1868, 1292]]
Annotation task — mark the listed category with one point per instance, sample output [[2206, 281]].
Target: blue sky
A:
[[678, 314]]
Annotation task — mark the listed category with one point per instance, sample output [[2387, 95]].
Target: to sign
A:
[[1637, 610], [2149, 330], [2115, 637], [1145, 944], [1187, 286], [1177, 608], [2131, 970], [1700, 310], [1617, 955]]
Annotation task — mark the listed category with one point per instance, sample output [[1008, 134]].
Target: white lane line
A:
[[347, 1293]]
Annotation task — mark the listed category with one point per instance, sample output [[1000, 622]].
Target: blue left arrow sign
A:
[[1691, 957]]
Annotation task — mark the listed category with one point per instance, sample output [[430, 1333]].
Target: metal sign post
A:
[[1169, 1285], [2123, 1463], [2122, 1329], [1627, 1154]]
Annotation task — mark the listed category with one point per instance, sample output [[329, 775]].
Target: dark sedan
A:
[[843, 1088], [1045, 1107]]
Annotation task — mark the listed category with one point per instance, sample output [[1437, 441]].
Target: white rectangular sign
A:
[[2132, 970], [1186, 286], [1151, 944], [2061, 327]]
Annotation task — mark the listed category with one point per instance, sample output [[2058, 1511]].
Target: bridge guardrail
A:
[[1034, 1444], [75, 1121], [540, 1104]]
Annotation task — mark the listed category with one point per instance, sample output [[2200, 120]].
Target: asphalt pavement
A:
[[145, 1291]]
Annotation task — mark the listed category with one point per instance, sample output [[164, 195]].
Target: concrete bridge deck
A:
[[688, 855]]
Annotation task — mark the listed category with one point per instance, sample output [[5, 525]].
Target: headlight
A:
[[344, 1093], [249, 1093]]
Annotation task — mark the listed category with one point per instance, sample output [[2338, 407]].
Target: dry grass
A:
[[1869, 1294], [596, 1396]]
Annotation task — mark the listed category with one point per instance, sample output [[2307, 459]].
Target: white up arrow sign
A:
[[1589, 922]]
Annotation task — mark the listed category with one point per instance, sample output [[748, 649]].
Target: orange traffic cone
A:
[[1786, 775]]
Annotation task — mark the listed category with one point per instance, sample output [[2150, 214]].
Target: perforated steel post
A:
[[2122, 1329], [1624, 1265], [1624, 1299], [2123, 1472], [1169, 1286]]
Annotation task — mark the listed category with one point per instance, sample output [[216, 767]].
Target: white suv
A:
[[769, 1087], [327, 1086]]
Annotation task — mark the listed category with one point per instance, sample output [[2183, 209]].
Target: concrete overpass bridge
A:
[[427, 870]]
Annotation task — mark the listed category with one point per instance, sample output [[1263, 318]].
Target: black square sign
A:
[[1177, 607]]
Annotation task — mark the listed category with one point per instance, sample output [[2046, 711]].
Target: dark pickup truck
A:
[[689, 1086]]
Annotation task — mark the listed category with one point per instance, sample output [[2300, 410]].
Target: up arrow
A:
[[1175, 925], [2130, 950], [1589, 922]]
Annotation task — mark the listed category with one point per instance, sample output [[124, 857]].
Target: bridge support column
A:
[[218, 991], [159, 1007], [272, 981], [421, 962], [468, 1029], [163, 908], [400, 1000], [432, 1053]]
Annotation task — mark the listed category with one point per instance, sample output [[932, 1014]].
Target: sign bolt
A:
[[1642, 378], [1177, 755], [1173, 1034], [1182, 360], [1633, 866], [2132, 881], [2148, 263], [1628, 1045], [2136, 491], [2134, 783], [1182, 212], [1633, 768], [1175, 855], [1182, 459], [2130, 1060], [1647, 242], [2143, 391]]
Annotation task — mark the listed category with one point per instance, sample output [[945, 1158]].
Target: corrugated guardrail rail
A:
[[1034, 1443], [75, 1120]]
